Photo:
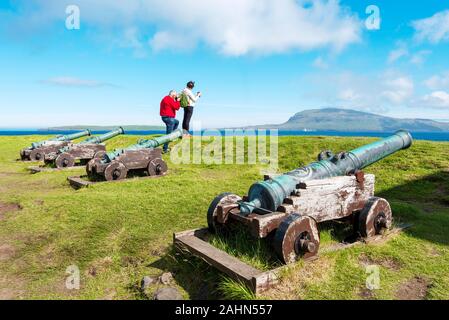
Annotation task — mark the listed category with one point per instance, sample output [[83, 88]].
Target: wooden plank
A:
[[256, 280], [219, 259], [36, 169], [330, 199], [78, 182]]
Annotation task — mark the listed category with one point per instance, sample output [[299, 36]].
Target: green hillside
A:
[[119, 232], [345, 120]]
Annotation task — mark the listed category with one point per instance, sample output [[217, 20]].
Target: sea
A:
[[432, 136]]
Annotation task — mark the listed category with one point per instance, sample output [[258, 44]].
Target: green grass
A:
[[117, 233]]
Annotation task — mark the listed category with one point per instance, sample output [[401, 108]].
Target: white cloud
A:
[[348, 95], [398, 90], [434, 29], [400, 51], [438, 82], [437, 99], [233, 27], [369, 92], [419, 57], [75, 82], [320, 63]]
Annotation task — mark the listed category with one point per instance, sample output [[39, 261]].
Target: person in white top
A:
[[188, 111]]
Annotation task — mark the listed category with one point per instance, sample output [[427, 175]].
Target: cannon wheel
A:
[[375, 217], [212, 222], [36, 155], [156, 167], [115, 171], [99, 155], [91, 173], [297, 237], [64, 160]]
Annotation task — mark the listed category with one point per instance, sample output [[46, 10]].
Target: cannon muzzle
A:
[[104, 137], [269, 195], [68, 137], [145, 144]]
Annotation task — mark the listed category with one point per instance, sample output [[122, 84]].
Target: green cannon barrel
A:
[[269, 195], [68, 137], [145, 144], [104, 137]]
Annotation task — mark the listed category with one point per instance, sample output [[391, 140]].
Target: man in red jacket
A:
[[169, 106]]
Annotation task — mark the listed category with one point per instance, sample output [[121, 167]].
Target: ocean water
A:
[[432, 136]]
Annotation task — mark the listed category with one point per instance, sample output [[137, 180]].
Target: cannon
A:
[[38, 150], [86, 150], [287, 208], [144, 156]]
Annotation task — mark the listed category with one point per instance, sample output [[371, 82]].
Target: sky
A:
[[106, 62]]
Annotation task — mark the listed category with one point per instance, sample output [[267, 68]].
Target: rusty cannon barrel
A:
[[267, 196], [145, 144], [61, 138]]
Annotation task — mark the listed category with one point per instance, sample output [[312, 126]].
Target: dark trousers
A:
[[172, 125], [188, 112]]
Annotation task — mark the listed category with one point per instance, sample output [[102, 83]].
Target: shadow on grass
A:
[[195, 276], [423, 202]]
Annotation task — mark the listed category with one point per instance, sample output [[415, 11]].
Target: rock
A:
[[167, 294], [166, 278], [146, 282]]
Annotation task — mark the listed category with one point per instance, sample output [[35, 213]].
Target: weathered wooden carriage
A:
[[71, 154], [39, 150], [287, 209], [141, 157]]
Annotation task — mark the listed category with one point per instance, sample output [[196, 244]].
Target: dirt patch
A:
[[384, 262], [413, 289], [11, 288], [6, 252], [294, 283], [8, 207], [99, 266], [366, 294]]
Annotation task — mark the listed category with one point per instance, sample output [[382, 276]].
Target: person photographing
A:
[[188, 100], [169, 105]]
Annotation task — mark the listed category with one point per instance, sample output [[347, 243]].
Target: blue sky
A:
[[256, 61]]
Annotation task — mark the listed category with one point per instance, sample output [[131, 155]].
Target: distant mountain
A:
[[344, 120], [106, 128]]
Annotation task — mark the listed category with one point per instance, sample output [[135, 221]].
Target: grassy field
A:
[[117, 233]]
